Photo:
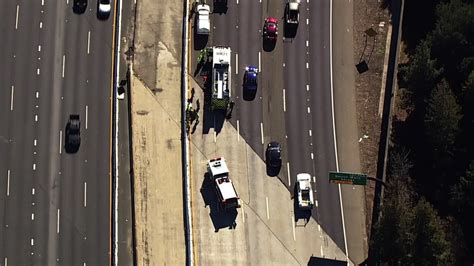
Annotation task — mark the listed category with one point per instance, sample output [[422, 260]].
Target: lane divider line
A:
[[238, 131], [85, 194], [64, 63], [17, 13], [88, 41], [60, 141], [268, 211], [11, 98], [57, 222], [293, 227], [87, 115], [288, 169], [236, 63], [8, 183]]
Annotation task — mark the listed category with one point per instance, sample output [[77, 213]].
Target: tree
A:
[[392, 232], [429, 244], [453, 40], [420, 75], [463, 192], [442, 120]]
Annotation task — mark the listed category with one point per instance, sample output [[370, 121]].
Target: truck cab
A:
[[203, 25], [225, 190], [292, 12], [305, 191]]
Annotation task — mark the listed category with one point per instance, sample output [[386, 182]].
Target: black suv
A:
[[273, 154], [73, 134]]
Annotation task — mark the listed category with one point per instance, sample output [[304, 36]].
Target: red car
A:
[[270, 29]]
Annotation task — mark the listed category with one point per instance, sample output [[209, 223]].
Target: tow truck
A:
[[225, 190], [305, 191]]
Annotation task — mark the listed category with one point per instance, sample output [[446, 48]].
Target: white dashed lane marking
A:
[[17, 13], [11, 98]]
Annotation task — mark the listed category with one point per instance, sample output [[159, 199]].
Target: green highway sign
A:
[[348, 178]]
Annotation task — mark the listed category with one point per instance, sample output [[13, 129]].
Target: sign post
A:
[[348, 178]]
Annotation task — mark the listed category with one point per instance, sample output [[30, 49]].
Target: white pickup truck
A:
[[305, 191], [203, 23]]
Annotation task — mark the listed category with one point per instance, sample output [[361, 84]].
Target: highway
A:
[[293, 106], [55, 206], [293, 102]]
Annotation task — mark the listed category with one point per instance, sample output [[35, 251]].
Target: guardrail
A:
[[187, 213]]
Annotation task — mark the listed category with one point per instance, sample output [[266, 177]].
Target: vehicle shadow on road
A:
[[268, 45], [289, 31], [220, 218], [69, 148], [304, 215], [219, 8], [272, 171], [200, 41], [211, 119]]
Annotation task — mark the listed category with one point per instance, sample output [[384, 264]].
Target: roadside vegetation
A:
[[428, 207]]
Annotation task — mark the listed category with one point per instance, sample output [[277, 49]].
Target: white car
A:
[[103, 8]]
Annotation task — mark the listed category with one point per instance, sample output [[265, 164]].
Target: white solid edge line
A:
[[87, 115], [116, 82], [334, 130], [11, 98]]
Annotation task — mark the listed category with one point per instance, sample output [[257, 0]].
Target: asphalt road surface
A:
[[55, 206], [293, 102]]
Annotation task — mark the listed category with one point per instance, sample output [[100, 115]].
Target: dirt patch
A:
[[371, 28]]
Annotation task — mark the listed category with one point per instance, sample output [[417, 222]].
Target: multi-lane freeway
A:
[[54, 206], [293, 103], [294, 106]]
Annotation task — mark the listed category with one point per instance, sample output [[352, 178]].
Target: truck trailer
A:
[[221, 78]]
